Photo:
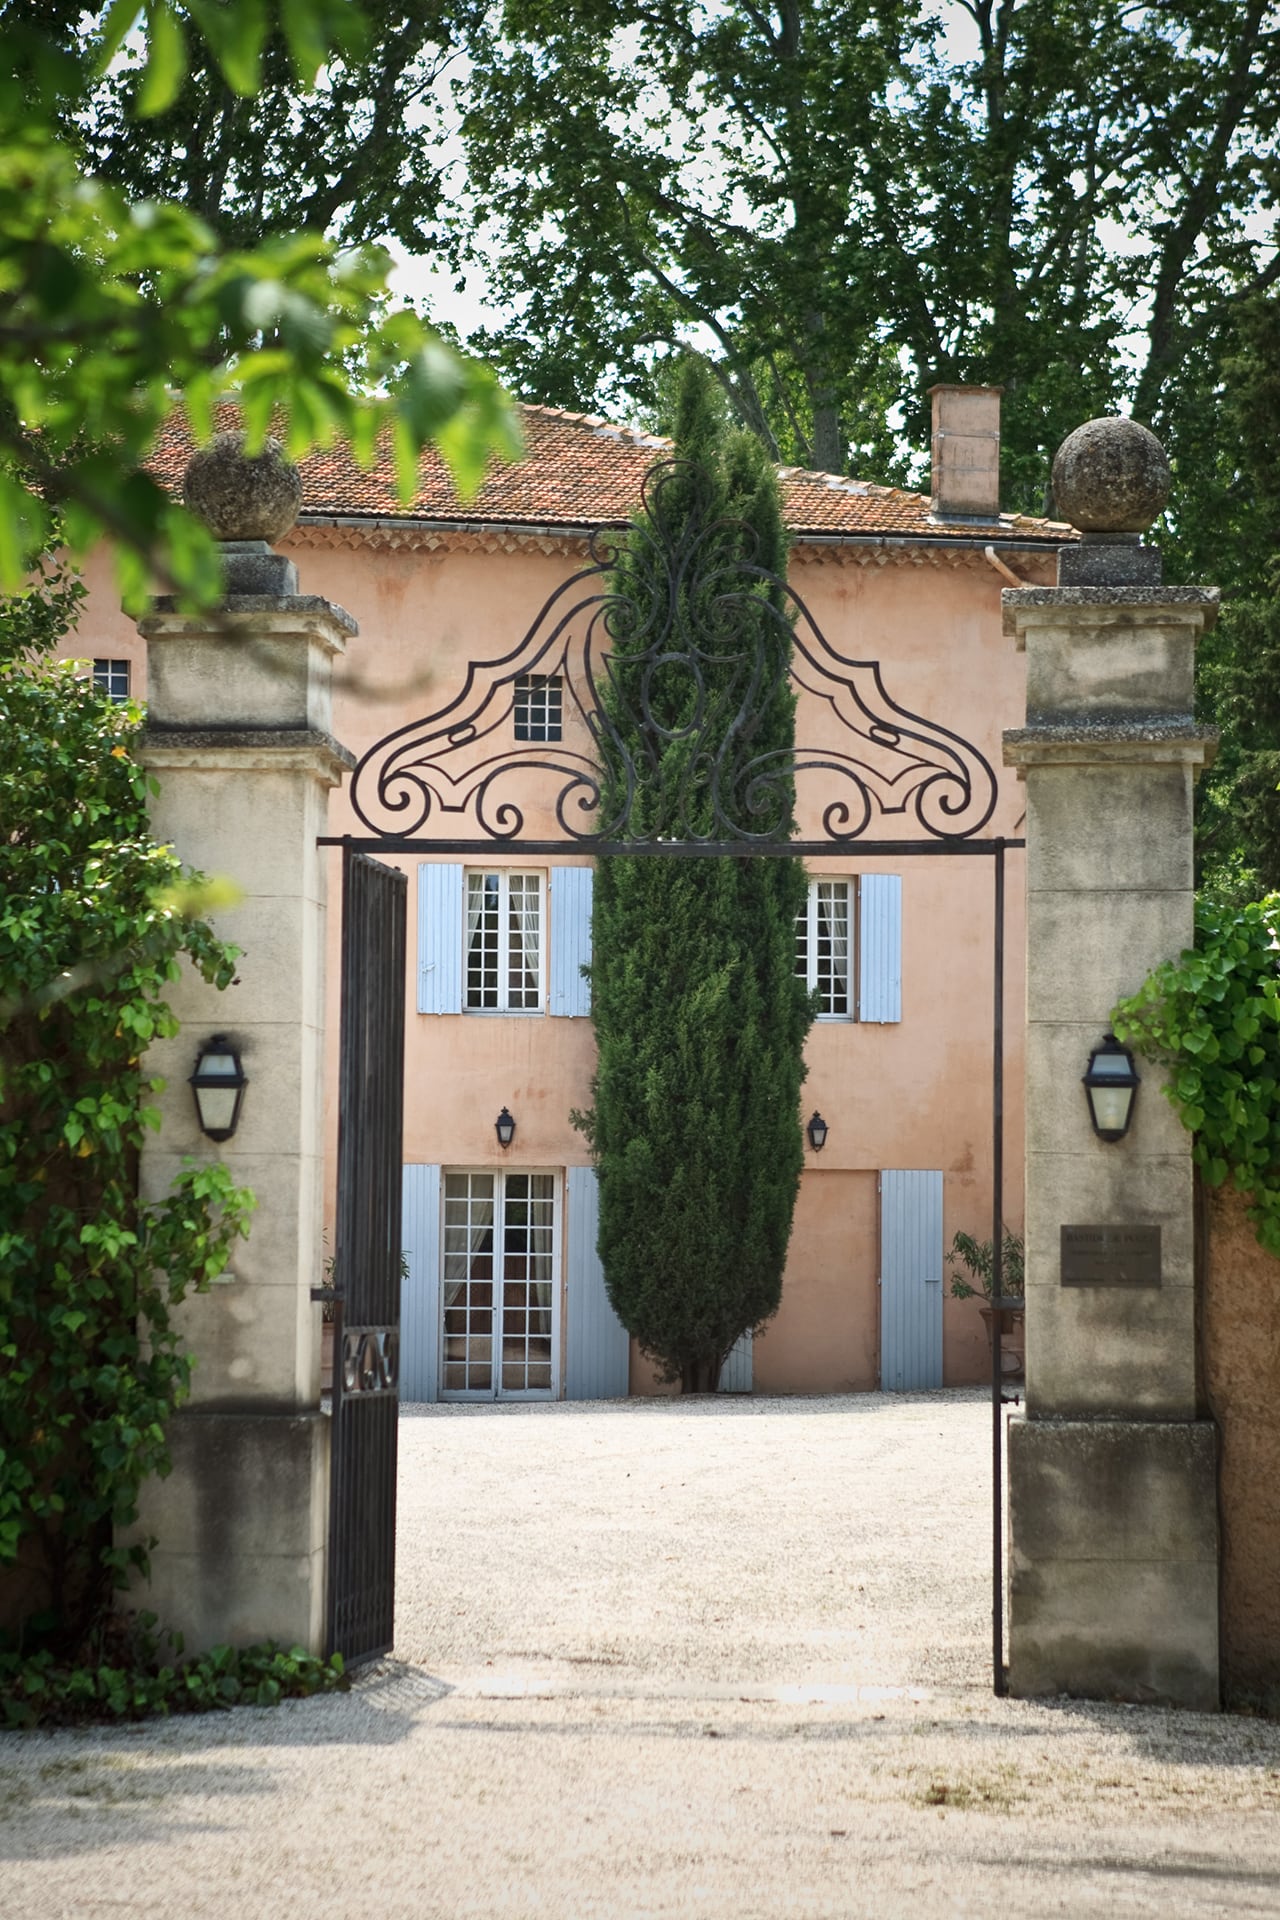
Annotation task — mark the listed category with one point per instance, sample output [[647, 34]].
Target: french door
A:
[[499, 1291]]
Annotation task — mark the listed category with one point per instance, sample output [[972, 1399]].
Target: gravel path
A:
[[723, 1658]]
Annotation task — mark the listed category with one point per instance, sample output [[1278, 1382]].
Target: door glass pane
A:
[[527, 1282], [468, 1283]]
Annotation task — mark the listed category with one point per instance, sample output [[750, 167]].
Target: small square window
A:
[[538, 706], [112, 678]]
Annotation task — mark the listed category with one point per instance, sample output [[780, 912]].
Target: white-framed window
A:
[[849, 947], [503, 942], [112, 678], [824, 946], [499, 1267], [538, 706]]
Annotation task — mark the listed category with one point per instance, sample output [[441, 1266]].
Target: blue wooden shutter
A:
[[420, 1293], [735, 1374], [570, 939], [597, 1348], [880, 947], [910, 1280], [440, 939]]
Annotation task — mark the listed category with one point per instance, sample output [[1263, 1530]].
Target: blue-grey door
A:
[[597, 1345], [910, 1280], [420, 1298]]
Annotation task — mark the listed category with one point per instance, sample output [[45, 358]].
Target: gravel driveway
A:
[[712, 1658]]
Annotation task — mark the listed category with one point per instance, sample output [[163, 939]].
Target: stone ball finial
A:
[[1110, 476], [242, 496]]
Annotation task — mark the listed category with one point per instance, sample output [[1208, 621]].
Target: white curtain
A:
[[525, 926], [464, 1240], [541, 1189], [833, 922], [475, 953]]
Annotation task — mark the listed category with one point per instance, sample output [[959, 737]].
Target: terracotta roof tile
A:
[[582, 471]]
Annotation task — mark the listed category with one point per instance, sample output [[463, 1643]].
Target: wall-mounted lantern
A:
[[817, 1131], [218, 1084], [1111, 1085], [505, 1128]]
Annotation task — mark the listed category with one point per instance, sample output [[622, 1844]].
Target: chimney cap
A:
[[960, 386]]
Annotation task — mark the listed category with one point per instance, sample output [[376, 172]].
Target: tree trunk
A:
[[700, 1375]]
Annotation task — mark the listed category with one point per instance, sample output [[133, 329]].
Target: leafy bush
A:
[[94, 919], [129, 1677], [1213, 1016], [976, 1257]]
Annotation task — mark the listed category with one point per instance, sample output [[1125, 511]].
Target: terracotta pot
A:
[[1012, 1340]]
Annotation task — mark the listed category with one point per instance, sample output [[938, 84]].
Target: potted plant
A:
[[976, 1258]]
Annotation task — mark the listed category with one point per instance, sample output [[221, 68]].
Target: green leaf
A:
[[236, 34], [117, 23], [166, 66]]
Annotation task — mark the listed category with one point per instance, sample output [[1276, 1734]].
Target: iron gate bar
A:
[[673, 849], [366, 1292]]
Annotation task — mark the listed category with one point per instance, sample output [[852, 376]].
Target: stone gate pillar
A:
[[238, 736], [1113, 1510]]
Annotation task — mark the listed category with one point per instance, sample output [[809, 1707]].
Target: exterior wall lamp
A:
[[218, 1084], [817, 1131], [505, 1128], [1111, 1085]]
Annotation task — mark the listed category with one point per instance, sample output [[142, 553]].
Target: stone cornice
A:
[[303, 616], [1151, 739], [247, 749], [440, 539], [1089, 606]]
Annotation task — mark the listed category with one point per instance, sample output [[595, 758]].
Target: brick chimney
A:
[[965, 483]]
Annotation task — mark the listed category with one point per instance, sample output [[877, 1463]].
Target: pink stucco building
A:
[[504, 1295]]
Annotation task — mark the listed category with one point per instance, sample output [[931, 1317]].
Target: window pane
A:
[[831, 956], [524, 965], [538, 706], [497, 1318], [483, 895], [112, 677]]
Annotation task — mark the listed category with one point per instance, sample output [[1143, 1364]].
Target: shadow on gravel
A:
[[714, 1406], [1172, 1737], [56, 1788]]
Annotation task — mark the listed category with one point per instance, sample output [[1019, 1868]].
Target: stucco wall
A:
[[1240, 1343]]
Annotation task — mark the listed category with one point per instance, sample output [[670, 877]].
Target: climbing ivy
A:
[[95, 921], [1213, 1016]]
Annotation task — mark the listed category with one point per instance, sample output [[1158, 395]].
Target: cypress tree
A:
[[700, 1018]]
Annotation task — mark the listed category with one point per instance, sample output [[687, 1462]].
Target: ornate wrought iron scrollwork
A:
[[690, 654], [370, 1360]]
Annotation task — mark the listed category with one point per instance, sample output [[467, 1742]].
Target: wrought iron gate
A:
[[876, 760], [366, 1290]]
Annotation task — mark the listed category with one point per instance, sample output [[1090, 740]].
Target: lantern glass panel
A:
[[217, 1107]]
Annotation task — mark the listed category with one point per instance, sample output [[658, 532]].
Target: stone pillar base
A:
[[1113, 1566], [242, 1521]]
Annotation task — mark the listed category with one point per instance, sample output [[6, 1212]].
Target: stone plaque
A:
[[1110, 1256]]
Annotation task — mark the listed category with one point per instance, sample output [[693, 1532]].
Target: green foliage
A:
[[1213, 1016], [130, 1674], [1238, 665], [843, 202], [699, 1017], [110, 307], [94, 919], [359, 163], [976, 1257]]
